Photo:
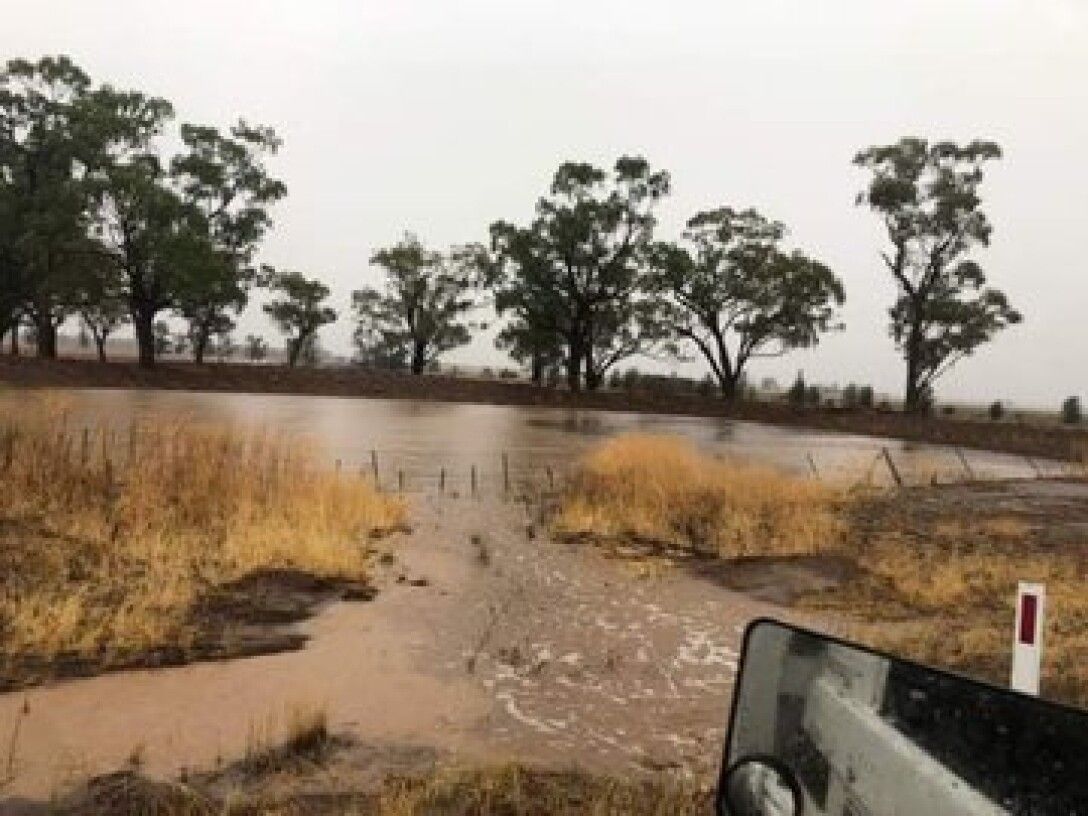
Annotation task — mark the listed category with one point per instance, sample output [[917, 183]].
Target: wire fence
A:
[[855, 467]]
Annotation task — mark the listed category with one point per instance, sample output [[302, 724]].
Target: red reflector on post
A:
[[1029, 607]]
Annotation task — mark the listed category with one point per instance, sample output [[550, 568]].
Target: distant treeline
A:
[[96, 221]]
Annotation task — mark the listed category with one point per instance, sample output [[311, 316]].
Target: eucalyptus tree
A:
[[255, 348], [421, 311], [533, 344], [224, 178], [577, 272], [99, 297], [927, 196], [298, 310], [43, 146], [733, 293]]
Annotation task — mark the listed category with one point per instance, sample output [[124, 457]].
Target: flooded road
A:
[[415, 441], [487, 641]]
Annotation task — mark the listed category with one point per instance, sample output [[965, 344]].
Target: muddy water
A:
[[421, 439], [529, 648], [507, 646]]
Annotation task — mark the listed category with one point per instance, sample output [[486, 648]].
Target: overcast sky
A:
[[440, 116]]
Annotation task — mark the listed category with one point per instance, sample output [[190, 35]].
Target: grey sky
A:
[[439, 117]]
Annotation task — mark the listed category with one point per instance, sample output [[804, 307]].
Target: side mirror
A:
[[823, 727]]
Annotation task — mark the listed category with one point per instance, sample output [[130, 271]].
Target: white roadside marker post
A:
[[1027, 648]]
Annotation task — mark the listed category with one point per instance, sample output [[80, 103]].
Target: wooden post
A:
[[812, 465], [374, 467], [505, 472], [551, 478], [339, 465], [442, 480], [474, 480], [966, 465], [400, 480], [85, 447], [891, 467]]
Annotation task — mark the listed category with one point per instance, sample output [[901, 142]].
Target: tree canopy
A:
[[576, 274], [82, 178], [299, 310], [733, 293], [421, 311], [927, 195]]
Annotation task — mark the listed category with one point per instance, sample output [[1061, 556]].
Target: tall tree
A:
[[927, 196], [42, 167], [224, 177], [577, 271], [298, 311], [100, 297], [256, 348], [420, 313], [531, 343], [736, 296]]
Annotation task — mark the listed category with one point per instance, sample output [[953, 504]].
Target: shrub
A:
[[997, 410], [865, 396], [813, 395], [1071, 411]]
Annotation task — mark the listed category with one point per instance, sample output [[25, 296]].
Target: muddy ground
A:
[[1032, 439]]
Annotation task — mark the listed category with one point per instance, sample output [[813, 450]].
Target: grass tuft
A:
[[108, 540], [662, 490]]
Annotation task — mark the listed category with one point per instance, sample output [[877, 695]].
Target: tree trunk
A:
[[15, 340], [912, 400], [200, 345], [419, 359], [593, 377], [100, 344], [294, 348], [144, 323], [575, 356], [728, 385], [537, 366], [47, 337]]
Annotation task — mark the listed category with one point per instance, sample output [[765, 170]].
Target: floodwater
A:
[[542, 651], [414, 442]]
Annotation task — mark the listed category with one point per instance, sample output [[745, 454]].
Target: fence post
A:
[[891, 467], [551, 478], [474, 480], [966, 465], [84, 447], [442, 480], [374, 467], [505, 472], [812, 464], [400, 480]]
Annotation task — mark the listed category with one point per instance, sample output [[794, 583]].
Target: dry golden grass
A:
[[510, 790], [517, 791], [660, 489], [941, 587], [109, 539]]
